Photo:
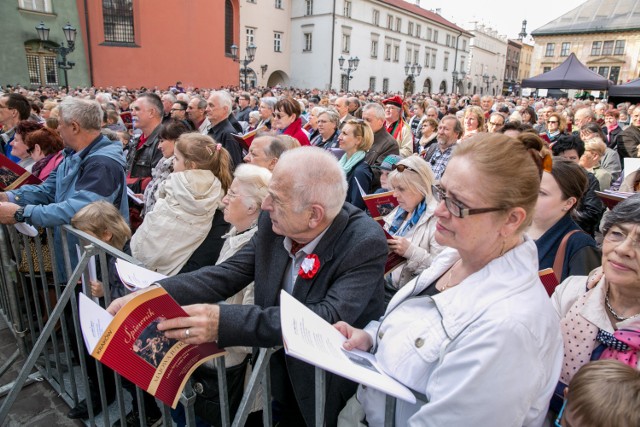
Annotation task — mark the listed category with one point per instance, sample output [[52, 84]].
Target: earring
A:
[[504, 244]]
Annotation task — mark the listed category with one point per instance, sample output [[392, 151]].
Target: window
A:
[[410, 28], [565, 49], [464, 44], [118, 21], [418, 30], [308, 42], [278, 4], [595, 48], [308, 7], [546, 69], [448, 40], [277, 42], [346, 43], [372, 84], [385, 85], [396, 53], [604, 71], [42, 69], [619, 50], [408, 55], [594, 69], [434, 53], [374, 48], [435, 36], [390, 22], [551, 47], [36, 5], [376, 17], [347, 9], [228, 26], [428, 33], [398, 24], [250, 35], [387, 52], [445, 66], [607, 47], [615, 74], [427, 56], [416, 56]]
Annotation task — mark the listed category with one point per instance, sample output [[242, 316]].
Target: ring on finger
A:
[[186, 333]]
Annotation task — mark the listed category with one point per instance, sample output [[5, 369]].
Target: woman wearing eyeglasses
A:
[[600, 313], [412, 223], [561, 243], [355, 139], [286, 119], [475, 332], [555, 128]]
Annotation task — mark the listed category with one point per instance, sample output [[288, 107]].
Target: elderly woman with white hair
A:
[[241, 209], [266, 108], [412, 223]]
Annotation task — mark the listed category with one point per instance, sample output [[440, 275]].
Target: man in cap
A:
[[396, 126]]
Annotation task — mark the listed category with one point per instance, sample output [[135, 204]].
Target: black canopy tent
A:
[[626, 92], [571, 74]]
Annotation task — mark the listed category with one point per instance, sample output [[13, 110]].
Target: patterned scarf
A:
[[402, 214], [395, 129]]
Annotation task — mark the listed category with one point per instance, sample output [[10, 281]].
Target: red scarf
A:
[[395, 129]]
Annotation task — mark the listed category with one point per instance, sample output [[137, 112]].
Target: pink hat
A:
[[394, 100]]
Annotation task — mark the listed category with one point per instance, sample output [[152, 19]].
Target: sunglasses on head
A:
[[401, 168]]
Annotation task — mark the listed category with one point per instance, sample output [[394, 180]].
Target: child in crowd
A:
[[102, 220], [385, 167], [602, 393]]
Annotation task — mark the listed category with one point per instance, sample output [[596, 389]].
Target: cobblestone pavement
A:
[[37, 404]]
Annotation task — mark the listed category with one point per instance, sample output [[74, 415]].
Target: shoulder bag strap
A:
[[559, 259]]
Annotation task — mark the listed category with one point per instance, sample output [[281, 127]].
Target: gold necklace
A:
[[446, 285]]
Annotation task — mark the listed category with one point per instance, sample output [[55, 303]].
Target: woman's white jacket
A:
[[179, 221], [486, 352]]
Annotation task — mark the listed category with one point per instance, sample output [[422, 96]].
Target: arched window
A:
[[228, 26]]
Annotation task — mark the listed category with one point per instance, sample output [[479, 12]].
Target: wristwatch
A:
[[19, 214]]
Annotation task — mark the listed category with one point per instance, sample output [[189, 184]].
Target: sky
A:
[[503, 15]]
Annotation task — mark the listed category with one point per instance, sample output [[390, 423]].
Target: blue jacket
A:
[[95, 173]]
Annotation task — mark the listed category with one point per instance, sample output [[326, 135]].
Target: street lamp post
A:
[[412, 71], [70, 35], [248, 59], [485, 78], [454, 74], [352, 65]]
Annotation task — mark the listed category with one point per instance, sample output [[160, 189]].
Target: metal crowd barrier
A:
[[42, 313]]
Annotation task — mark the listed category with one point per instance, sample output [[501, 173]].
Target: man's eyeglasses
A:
[[401, 168], [496, 124], [456, 208]]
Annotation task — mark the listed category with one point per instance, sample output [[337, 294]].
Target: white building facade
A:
[[385, 36], [487, 64], [266, 24]]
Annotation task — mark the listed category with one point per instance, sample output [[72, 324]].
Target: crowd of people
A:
[[234, 194]]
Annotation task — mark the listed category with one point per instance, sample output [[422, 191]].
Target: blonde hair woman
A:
[[412, 223], [472, 121], [355, 139]]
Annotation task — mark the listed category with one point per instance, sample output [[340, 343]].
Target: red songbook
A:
[[246, 139], [549, 280], [13, 176], [127, 119], [131, 344], [612, 198], [380, 204], [393, 259]]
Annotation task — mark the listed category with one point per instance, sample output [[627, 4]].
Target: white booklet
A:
[[135, 277], [310, 338], [137, 200], [94, 320]]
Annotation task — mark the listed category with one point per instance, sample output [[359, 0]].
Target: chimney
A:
[[438, 11]]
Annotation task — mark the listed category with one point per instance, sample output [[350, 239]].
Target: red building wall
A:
[[176, 40]]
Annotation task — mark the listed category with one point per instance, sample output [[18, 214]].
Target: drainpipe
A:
[[333, 28], [89, 54], [455, 60]]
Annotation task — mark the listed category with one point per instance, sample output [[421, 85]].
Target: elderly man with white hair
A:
[[218, 109], [305, 220]]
